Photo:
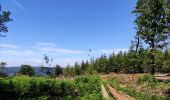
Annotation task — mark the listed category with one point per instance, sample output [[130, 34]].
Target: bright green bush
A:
[[24, 87], [88, 84], [31, 87], [95, 96]]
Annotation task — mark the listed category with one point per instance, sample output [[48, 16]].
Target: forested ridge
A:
[[123, 62]]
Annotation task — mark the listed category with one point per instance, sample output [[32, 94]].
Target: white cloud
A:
[[19, 5], [109, 51], [17, 52], [8, 46], [60, 50], [15, 56], [47, 47], [32, 62], [46, 44], [34, 56]]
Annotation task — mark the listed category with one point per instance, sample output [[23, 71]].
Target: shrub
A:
[[26, 70], [88, 85], [58, 70], [147, 78], [26, 88]]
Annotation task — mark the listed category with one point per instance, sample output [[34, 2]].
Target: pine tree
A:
[[58, 70]]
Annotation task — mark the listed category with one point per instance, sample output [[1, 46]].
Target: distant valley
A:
[[13, 70]]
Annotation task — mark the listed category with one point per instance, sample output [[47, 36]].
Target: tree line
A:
[[152, 28], [122, 62]]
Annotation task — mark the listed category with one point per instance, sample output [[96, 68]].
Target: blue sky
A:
[[65, 30]]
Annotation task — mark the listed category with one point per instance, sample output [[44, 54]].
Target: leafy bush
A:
[[26, 70], [93, 96], [88, 85], [24, 87], [147, 78]]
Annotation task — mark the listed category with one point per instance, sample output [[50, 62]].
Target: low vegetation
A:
[[23, 87]]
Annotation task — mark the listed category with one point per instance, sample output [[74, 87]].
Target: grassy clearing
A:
[[132, 92], [151, 81], [149, 85]]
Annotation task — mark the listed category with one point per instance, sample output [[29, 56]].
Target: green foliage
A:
[[152, 82], [123, 62], [101, 64], [152, 20], [89, 84], [2, 67], [26, 70], [166, 62], [44, 88], [69, 71], [93, 96], [77, 69], [148, 80], [166, 67], [58, 70], [90, 87], [4, 18]]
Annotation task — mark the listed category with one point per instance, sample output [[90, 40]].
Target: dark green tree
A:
[[101, 64], [153, 25], [119, 61], [69, 71], [166, 62], [4, 18], [83, 66], [26, 70], [58, 70], [2, 67], [66, 71], [77, 69], [134, 48], [112, 63]]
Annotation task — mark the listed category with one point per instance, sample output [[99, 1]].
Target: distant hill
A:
[[13, 70]]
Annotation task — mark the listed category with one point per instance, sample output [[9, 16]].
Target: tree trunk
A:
[[152, 63], [136, 51], [153, 56]]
